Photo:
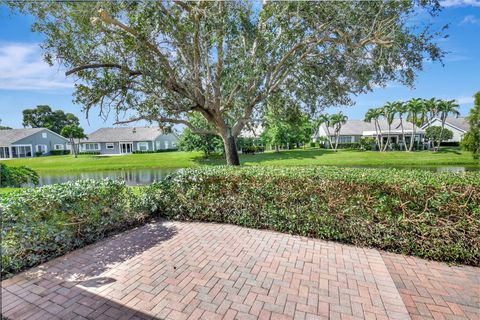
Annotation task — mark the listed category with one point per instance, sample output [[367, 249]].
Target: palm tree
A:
[[446, 107], [432, 108], [389, 111], [401, 109], [374, 114], [337, 120], [415, 111], [325, 119]]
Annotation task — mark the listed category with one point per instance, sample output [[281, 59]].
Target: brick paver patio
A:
[[174, 270]]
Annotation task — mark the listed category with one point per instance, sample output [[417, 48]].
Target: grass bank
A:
[[307, 157]]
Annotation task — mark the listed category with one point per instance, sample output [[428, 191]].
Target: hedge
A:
[[430, 215], [41, 223], [155, 151], [15, 177]]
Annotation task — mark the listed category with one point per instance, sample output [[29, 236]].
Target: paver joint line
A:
[[179, 270]]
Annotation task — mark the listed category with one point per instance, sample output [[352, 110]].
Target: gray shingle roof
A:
[[124, 134], [460, 123], [358, 127], [7, 137]]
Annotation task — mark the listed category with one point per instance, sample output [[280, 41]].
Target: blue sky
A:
[[26, 81]]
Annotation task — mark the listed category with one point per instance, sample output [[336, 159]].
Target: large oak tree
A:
[[161, 61]]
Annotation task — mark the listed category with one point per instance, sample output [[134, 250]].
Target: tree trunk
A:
[[441, 134], [412, 138], [403, 135], [72, 144], [231, 152]]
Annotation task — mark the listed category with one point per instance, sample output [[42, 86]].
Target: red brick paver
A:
[[174, 270], [432, 290]]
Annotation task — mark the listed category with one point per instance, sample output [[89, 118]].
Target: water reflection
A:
[[137, 177], [131, 177]]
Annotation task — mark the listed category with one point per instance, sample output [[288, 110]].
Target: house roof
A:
[[9, 136], [460, 123], [360, 127], [124, 134]]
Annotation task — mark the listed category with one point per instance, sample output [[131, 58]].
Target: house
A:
[[459, 126], [123, 140], [353, 130], [25, 143]]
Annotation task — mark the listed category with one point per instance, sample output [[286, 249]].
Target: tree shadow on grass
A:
[[283, 155]]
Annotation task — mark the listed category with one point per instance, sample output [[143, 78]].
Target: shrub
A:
[[59, 152], [41, 223], [94, 153], [435, 216], [156, 151], [38, 154], [253, 149], [16, 176]]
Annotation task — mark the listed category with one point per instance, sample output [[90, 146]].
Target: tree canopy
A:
[[162, 61], [471, 140], [43, 116]]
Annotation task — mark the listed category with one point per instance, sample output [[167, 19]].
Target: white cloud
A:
[[464, 100], [470, 19], [22, 68], [455, 3]]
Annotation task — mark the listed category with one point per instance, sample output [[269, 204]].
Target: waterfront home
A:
[[28, 142], [458, 126], [124, 140], [353, 130]]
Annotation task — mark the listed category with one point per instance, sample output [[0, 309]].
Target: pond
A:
[[132, 177], [135, 177]]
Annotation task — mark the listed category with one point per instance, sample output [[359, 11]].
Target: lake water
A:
[[135, 177]]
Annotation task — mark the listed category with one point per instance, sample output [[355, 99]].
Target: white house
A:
[[353, 130], [123, 140], [459, 126]]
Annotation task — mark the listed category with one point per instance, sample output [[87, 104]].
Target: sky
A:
[[27, 81]]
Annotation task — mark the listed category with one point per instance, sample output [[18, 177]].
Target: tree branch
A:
[[102, 65], [169, 120]]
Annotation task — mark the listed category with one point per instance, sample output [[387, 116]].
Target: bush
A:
[[253, 149], [434, 216], [449, 144], [41, 223], [15, 177], [59, 152], [38, 154], [94, 153], [349, 145], [156, 151]]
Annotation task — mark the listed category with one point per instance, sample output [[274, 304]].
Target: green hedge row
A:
[[15, 177], [430, 215], [41, 223], [155, 151]]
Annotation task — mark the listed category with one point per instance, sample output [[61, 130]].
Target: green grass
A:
[[307, 157], [6, 190]]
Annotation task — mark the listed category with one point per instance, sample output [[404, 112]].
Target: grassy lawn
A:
[[307, 157]]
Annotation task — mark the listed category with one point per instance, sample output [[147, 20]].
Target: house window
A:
[[91, 147], [68, 146], [142, 146], [159, 145], [21, 151], [109, 146], [345, 139], [166, 144], [41, 148], [4, 152], [44, 135], [58, 146]]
